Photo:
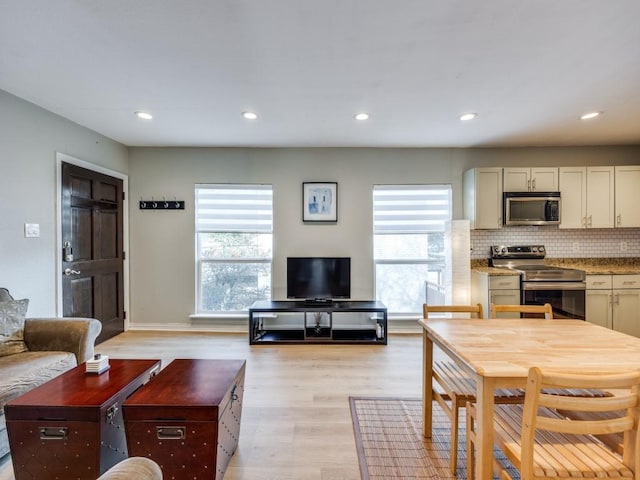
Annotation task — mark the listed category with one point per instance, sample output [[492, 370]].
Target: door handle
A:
[[69, 272]]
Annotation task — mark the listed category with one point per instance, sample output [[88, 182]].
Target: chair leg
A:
[[455, 423], [471, 437]]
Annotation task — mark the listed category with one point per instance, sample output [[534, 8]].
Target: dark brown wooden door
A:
[[92, 257]]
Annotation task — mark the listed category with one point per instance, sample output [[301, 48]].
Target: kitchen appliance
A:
[[531, 208], [563, 288]]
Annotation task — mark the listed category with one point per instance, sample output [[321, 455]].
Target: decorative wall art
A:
[[320, 202]]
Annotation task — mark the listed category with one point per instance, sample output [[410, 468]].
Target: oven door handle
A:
[[554, 286]]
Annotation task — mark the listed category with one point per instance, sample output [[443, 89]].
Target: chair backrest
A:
[[621, 407], [473, 309], [526, 311]]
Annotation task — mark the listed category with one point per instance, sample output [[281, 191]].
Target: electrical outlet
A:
[[576, 247], [623, 246]]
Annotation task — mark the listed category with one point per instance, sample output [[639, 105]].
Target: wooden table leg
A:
[[484, 428], [427, 389]]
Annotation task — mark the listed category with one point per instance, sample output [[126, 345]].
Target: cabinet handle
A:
[[598, 283], [610, 299], [533, 183], [171, 433], [54, 433], [619, 219], [629, 282], [590, 223], [529, 185], [617, 299], [584, 221]]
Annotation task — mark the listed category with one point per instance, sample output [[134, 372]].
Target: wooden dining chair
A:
[[542, 442], [454, 386], [525, 311]]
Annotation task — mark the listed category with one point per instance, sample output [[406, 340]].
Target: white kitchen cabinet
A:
[[627, 196], [599, 300], [535, 179], [498, 289], [587, 197], [482, 197], [613, 301]]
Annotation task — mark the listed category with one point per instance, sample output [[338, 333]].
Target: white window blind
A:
[[234, 208], [399, 209]]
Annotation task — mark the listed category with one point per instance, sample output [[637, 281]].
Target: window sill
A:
[[219, 316]]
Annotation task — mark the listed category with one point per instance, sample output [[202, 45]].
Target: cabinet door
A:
[[516, 179], [544, 179], [483, 197], [626, 311], [573, 196], [600, 197], [627, 186], [598, 307], [504, 297]]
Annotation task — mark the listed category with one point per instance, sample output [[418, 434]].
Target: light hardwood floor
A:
[[296, 423]]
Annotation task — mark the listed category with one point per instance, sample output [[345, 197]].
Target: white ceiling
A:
[[529, 68]]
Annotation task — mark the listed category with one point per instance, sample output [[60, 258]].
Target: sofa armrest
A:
[[68, 334], [138, 468]]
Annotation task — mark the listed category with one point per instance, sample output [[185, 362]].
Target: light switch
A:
[[31, 230]]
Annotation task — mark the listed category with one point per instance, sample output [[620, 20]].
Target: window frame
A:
[[404, 261], [200, 260]]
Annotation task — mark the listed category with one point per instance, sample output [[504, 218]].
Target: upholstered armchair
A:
[[35, 350]]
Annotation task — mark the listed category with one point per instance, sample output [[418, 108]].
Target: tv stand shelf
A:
[[322, 322]]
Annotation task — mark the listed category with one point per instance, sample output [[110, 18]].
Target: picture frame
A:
[[320, 202]]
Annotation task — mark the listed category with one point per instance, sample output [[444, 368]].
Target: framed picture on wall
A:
[[320, 202]]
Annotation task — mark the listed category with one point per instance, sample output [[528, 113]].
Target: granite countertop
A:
[[591, 266], [600, 266]]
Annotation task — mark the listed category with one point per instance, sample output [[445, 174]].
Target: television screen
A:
[[318, 277]]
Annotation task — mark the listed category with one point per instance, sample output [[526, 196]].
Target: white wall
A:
[[29, 140], [162, 242]]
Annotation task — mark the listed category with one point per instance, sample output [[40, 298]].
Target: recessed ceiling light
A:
[[144, 115], [468, 116], [249, 115], [590, 115], [362, 116]]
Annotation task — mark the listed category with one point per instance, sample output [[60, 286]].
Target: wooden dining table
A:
[[499, 352]]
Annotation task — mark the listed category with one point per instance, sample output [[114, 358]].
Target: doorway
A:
[[92, 262]]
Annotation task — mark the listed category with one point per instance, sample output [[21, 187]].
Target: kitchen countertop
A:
[[591, 266]]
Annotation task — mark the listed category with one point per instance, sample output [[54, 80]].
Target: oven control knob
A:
[[541, 249], [534, 249]]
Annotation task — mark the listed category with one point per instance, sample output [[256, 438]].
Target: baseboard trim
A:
[[220, 326]]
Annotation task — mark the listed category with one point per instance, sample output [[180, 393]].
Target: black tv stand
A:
[[318, 321]]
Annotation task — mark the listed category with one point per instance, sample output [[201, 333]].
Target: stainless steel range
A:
[[563, 288]]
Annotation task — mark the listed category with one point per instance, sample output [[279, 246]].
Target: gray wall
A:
[[162, 242], [29, 140]]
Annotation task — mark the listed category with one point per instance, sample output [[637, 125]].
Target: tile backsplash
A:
[[561, 243]]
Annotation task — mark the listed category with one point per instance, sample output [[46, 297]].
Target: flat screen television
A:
[[318, 278]]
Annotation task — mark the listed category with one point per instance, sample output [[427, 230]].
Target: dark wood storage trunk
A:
[[72, 426], [188, 418]]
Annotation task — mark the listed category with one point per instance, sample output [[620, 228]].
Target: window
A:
[[234, 230], [408, 244]]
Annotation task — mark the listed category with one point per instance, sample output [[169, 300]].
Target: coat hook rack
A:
[[161, 204]]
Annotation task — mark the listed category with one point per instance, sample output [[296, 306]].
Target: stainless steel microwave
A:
[[531, 208]]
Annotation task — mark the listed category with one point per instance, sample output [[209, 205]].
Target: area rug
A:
[[390, 444]]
